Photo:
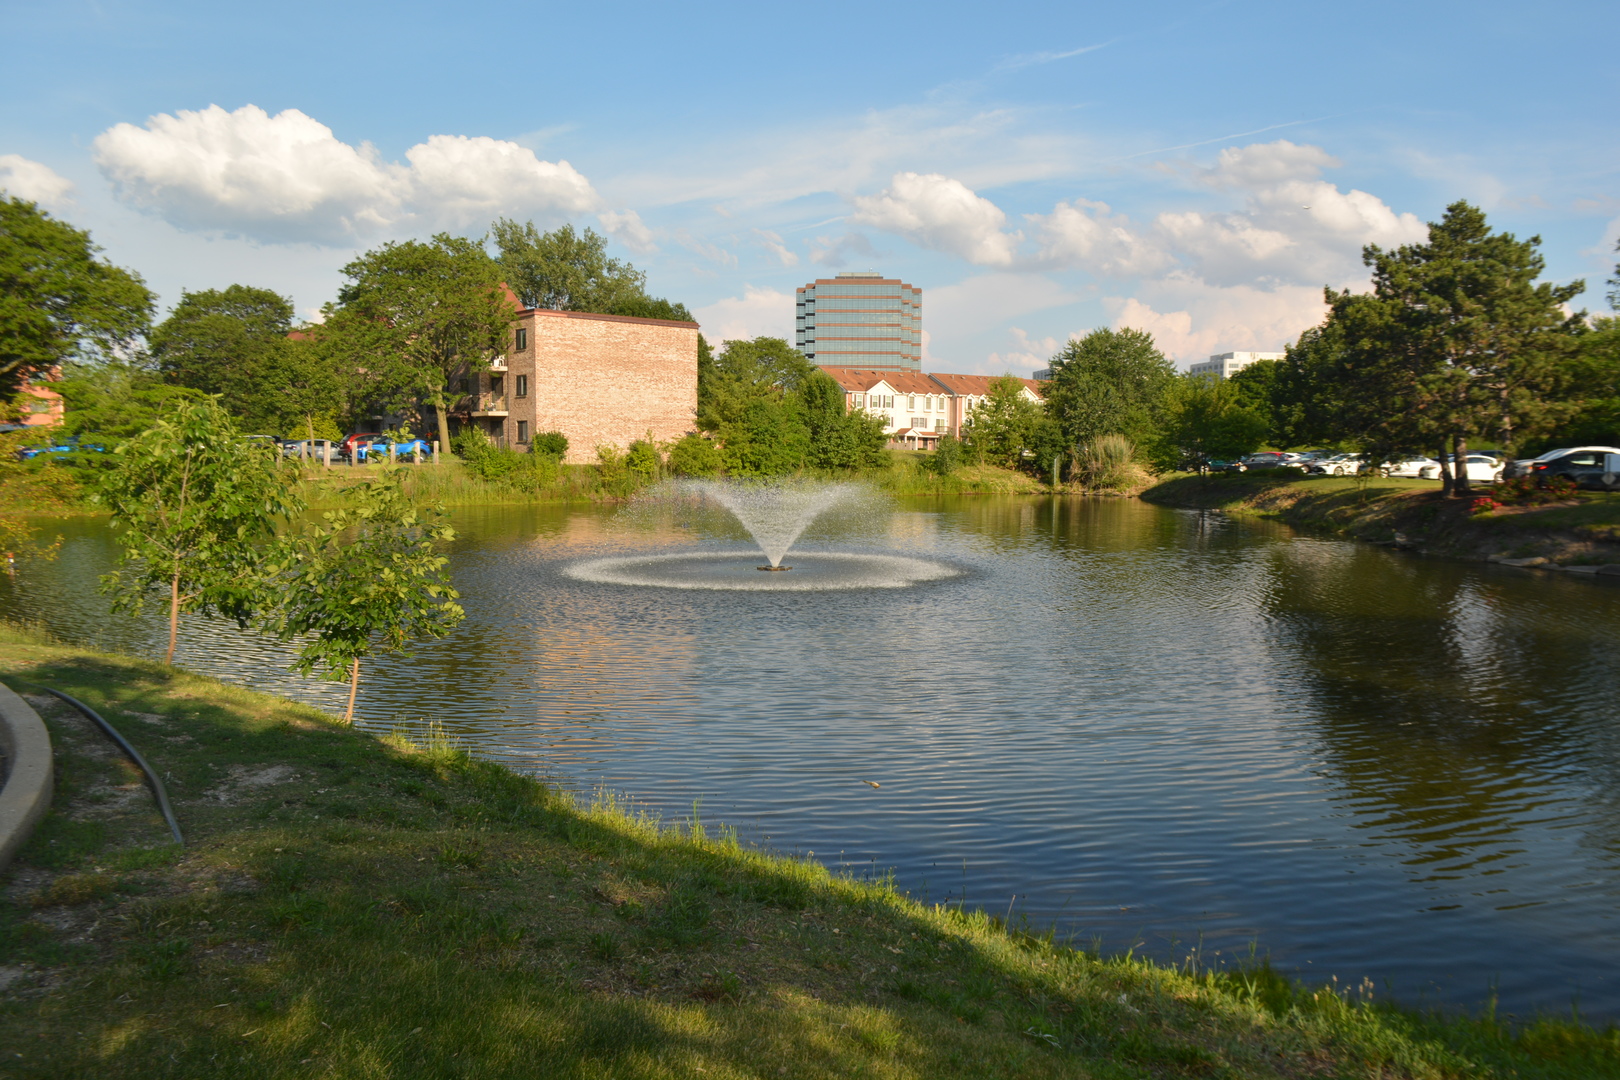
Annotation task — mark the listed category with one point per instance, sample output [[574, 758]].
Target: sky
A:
[[1197, 170]]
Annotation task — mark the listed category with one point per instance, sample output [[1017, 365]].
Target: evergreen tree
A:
[[1456, 340]]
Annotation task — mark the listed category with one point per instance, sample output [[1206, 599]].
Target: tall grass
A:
[[1108, 463]]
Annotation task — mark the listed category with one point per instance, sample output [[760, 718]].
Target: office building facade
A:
[[860, 320], [1225, 365]]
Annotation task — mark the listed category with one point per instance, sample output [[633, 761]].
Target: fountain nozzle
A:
[[773, 568]]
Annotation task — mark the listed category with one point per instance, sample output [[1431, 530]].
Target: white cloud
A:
[[288, 178], [758, 312], [772, 242], [627, 228], [941, 213], [830, 252], [30, 180], [1190, 319], [461, 180], [1088, 235], [1026, 353], [1259, 164]]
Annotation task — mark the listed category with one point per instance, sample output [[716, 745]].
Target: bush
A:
[[693, 455], [552, 444], [946, 458], [643, 460], [496, 464], [1528, 491]]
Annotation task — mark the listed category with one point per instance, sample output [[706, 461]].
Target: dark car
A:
[[1588, 466]]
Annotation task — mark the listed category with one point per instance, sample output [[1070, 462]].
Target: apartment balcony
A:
[[498, 364], [487, 405]]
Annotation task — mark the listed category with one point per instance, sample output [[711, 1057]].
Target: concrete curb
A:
[[29, 776]]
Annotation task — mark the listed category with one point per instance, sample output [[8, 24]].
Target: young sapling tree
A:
[[369, 578], [197, 508]]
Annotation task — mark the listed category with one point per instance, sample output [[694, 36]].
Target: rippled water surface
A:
[[1154, 728]]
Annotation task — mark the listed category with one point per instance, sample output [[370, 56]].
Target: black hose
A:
[[134, 755]]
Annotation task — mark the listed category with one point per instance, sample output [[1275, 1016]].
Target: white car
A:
[[1480, 467], [1337, 465], [1414, 467]]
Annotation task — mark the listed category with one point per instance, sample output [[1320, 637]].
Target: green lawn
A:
[[355, 907]]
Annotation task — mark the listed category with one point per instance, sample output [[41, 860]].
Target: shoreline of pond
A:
[[1579, 535], [319, 855]]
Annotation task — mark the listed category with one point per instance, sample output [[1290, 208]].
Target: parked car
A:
[[1589, 466], [413, 450], [1337, 465], [1265, 459], [1480, 468], [310, 449], [1411, 466], [347, 447], [1528, 466], [66, 446]]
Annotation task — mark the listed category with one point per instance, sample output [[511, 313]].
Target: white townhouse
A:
[[918, 408]]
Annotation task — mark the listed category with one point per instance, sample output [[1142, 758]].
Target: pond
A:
[[1151, 728]]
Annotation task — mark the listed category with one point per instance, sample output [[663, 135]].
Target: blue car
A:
[[414, 449], [69, 446]]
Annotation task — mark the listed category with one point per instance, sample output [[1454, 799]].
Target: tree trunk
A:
[[1507, 426], [1445, 471], [444, 421], [174, 616], [354, 685], [1459, 459]]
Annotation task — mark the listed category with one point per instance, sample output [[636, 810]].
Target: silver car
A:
[[1481, 468], [1337, 465]]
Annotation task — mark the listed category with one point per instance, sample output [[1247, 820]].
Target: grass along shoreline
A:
[[365, 907], [1582, 532]]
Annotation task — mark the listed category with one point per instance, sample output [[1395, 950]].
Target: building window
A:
[[522, 338], [911, 403], [495, 384], [522, 387], [860, 401], [939, 425], [523, 431]]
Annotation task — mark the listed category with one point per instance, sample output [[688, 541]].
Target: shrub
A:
[[552, 444], [946, 458], [1529, 491], [693, 455], [643, 459]]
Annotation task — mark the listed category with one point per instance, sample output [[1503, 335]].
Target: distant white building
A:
[[1227, 364]]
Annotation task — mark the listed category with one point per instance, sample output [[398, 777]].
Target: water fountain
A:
[[775, 515]]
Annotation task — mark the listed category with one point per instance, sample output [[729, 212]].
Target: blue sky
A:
[[1198, 170]]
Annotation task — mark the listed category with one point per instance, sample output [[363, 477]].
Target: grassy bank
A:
[[1581, 531], [452, 483], [351, 906]]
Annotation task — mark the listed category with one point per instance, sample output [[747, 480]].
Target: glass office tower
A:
[[861, 320]]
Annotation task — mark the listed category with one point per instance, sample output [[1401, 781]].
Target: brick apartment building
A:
[[598, 379]]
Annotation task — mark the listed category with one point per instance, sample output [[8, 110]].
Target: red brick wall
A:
[[604, 379]]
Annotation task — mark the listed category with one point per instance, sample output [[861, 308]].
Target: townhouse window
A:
[[911, 403], [522, 386], [860, 401], [523, 431], [522, 338]]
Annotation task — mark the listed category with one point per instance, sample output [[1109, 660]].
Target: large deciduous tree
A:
[[415, 316], [1457, 339], [57, 299], [1110, 382], [569, 271], [196, 508], [1206, 419]]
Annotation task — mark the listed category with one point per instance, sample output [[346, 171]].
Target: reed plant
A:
[[1109, 463]]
